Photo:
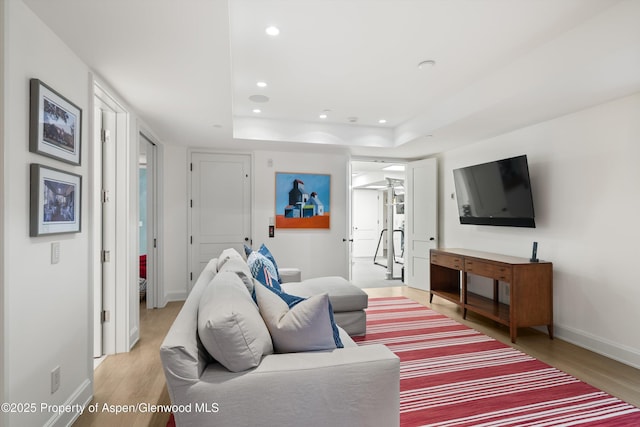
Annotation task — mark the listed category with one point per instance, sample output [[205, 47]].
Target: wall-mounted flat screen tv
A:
[[495, 193]]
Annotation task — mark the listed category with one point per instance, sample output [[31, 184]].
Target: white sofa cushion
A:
[[240, 267], [230, 326], [226, 255], [299, 324], [344, 295]]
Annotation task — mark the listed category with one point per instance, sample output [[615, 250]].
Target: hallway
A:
[[366, 274]]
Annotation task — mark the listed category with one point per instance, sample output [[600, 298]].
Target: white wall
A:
[[46, 307], [316, 252], [585, 180]]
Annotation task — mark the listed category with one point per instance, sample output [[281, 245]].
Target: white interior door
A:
[[421, 214], [220, 206], [366, 222], [114, 229], [108, 289], [97, 245]]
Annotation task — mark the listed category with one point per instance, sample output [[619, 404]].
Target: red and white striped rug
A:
[[451, 375]]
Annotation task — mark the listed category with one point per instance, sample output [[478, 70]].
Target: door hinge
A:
[[105, 316], [191, 167], [155, 243], [191, 240], [105, 196], [191, 276], [105, 135], [191, 203], [106, 256]]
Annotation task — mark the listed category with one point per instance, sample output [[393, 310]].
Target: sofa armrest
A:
[[354, 386], [290, 274]]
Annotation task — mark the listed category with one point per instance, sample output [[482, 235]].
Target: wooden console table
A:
[[530, 287]]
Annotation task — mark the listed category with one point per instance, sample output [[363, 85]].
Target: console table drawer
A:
[[485, 269], [447, 261]]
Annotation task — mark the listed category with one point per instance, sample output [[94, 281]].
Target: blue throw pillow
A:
[[247, 250], [266, 252], [263, 270]]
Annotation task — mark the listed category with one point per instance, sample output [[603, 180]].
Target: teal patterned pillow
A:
[[263, 270], [266, 252]]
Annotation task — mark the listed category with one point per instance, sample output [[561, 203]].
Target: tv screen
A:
[[495, 193]]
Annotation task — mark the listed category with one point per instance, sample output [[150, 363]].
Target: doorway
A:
[[376, 198], [114, 240], [148, 226], [104, 185]]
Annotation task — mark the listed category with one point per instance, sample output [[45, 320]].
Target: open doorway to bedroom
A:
[[148, 223], [377, 223]]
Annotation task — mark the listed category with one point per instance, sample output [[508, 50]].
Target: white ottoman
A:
[[289, 275], [348, 301]]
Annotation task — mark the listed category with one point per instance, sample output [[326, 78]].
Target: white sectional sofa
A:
[[349, 386]]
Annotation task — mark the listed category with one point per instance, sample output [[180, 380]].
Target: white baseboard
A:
[[134, 337], [174, 296], [82, 396], [623, 354]]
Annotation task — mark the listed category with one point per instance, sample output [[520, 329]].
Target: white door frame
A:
[[350, 201], [122, 323], [348, 239]]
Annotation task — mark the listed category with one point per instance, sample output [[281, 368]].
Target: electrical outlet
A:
[[55, 379]]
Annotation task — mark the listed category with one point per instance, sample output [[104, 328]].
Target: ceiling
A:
[[188, 68]]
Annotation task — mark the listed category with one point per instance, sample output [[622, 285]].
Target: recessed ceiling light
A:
[[382, 121], [272, 31], [261, 84], [259, 98], [257, 110], [426, 64], [323, 116]]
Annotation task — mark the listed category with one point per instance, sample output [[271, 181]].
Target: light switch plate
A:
[[55, 379], [55, 252]]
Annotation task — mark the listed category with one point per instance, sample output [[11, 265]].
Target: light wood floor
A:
[[137, 376]]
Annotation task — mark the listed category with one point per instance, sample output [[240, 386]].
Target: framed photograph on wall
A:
[[54, 125], [303, 200], [56, 197]]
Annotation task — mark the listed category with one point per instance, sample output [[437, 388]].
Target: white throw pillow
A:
[[240, 267], [306, 326], [226, 255], [230, 326]]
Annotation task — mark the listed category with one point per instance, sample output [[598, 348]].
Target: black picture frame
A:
[[55, 124], [55, 201]]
